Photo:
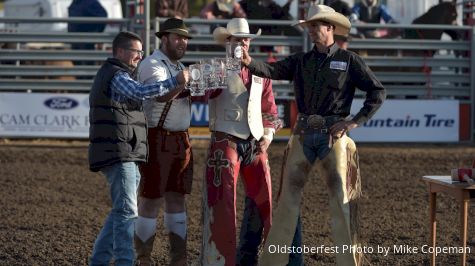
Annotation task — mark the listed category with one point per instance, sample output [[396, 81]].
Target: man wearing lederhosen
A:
[[169, 172]]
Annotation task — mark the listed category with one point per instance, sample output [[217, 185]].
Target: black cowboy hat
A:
[[174, 25]]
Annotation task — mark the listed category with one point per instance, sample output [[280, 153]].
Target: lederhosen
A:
[[170, 164]]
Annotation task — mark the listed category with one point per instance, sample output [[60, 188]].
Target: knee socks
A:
[[176, 223], [145, 227]]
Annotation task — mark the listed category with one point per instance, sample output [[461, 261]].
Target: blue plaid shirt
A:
[[123, 87]]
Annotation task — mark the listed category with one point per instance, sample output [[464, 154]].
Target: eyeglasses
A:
[[139, 52]]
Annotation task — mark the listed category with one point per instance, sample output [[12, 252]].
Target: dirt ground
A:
[[52, 207]]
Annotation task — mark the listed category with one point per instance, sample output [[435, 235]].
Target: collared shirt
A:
[[158, 67], [123, 87], [325, 83]]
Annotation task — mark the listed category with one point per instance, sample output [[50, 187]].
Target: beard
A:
[[175, 52]]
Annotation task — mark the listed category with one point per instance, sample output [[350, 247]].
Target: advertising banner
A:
[[410, 121], [44, 115], [67, 116]]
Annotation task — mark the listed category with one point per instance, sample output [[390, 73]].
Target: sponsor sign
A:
[[199, 114], [410, 121], [44, 115], [67, 116]]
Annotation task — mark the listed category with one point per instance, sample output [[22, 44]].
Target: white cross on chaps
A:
[[217, 163]]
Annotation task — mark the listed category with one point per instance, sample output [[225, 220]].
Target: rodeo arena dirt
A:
[[52, 206]]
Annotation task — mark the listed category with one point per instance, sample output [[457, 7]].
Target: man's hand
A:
[[262, 145], [340, 128], [183, 77], [246, 58]]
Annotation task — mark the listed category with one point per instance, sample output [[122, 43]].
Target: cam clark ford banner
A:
[[66, 116], [410, 121], [44, 115]]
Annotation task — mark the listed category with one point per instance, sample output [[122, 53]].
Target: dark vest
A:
[[117, 131]]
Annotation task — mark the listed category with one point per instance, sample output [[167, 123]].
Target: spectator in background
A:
[[172, 8], [371, 11], [266, 9], [86, 8], [340, 6], [343, 8], [223, 9]]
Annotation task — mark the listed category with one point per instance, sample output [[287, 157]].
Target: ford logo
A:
[[61, 103]]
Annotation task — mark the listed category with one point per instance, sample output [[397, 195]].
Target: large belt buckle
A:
[[316, 121]]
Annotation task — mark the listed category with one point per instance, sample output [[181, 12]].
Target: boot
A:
[[177, 250], [144, 251]]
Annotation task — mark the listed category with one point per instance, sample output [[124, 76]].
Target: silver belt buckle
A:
[[316, 121]]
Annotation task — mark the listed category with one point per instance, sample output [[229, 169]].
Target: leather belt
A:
[[167, 132], [316, 123], [222, 135]]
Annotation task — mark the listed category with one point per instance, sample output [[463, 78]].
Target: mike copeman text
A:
[[379, 249]]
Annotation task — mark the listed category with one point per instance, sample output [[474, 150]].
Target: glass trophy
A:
[[233, 56], [209, 76], [196, 84], [219, 67]]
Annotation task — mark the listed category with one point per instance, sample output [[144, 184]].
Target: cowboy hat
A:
[[237, 27], [327, 14], [225, 5], [174, 25]]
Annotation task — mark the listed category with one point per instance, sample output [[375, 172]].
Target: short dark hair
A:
[[123, 40]]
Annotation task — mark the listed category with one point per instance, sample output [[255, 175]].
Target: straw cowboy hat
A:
[[327, 14], [237, 27], [174, 25], [225, 5]]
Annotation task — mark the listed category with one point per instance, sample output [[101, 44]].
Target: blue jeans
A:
[[116, 239]]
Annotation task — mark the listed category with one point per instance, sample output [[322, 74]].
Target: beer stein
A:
[[219, 66], [196, 84], [208, 71], [233, 56]]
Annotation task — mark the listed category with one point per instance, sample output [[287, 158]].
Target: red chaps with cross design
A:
[[226, 160]]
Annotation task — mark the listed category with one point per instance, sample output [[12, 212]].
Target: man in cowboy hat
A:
[[168, 173], [325, 80], [242, 119]]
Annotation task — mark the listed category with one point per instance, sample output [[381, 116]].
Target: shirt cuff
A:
[[269, 133]]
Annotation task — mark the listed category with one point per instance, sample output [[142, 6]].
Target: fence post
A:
[[472, 85], [147, 28], [156, 28]]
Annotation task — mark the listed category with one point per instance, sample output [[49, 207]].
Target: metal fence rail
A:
[[23, 67]]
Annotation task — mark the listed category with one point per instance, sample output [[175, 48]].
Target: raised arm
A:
[[123, 85]]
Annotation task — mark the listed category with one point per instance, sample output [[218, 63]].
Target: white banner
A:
[[44, 115], [67, 116], [410, 121]]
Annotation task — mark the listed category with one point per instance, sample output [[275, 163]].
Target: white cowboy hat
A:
[[327, 14], [237, 27]]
